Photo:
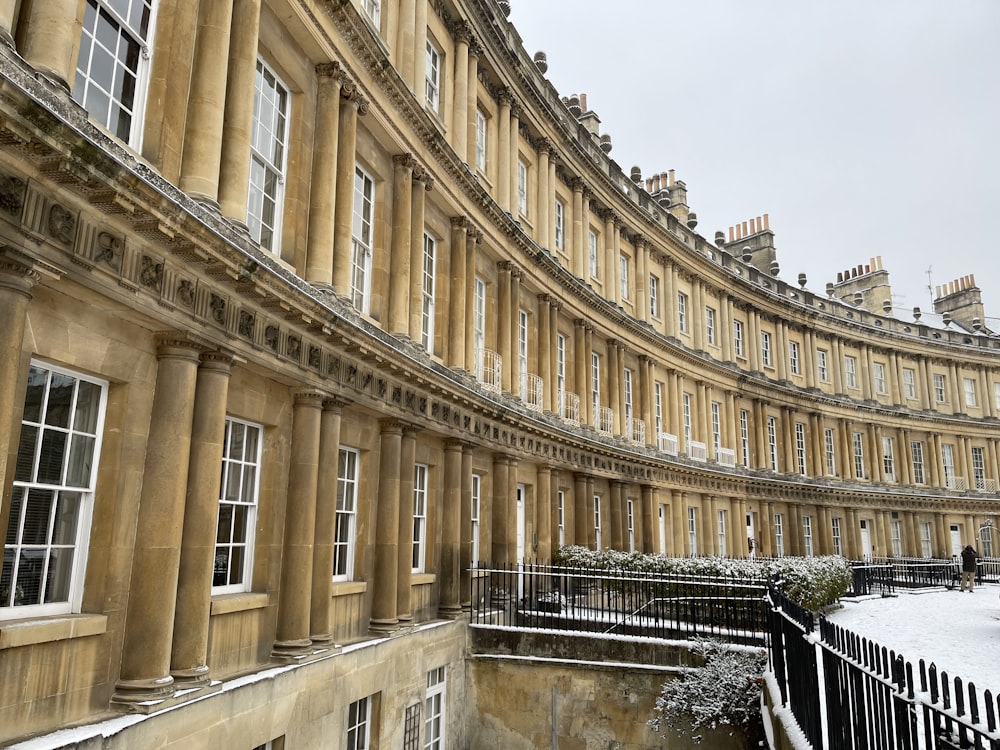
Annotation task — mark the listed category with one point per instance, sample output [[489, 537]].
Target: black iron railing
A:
[[871, 697], [620, 602]]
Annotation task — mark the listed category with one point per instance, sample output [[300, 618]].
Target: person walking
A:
[[969, 557]]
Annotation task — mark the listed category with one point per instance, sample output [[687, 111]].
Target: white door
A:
[[866, 540], [956, 540], [751, 536], [520, 540], [663, 532]]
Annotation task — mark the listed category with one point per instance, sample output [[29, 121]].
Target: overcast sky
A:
[[862, 127]]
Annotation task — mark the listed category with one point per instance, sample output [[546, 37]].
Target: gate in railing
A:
[[620, 602], [867, 697]]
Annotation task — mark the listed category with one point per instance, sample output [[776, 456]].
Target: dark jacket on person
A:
[[969, 557]]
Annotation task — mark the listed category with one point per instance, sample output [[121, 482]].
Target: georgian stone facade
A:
[[307, 306]]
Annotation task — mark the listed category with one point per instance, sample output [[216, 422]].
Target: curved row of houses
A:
[[310, 305]]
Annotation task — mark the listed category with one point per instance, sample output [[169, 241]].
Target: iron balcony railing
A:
[[668, 443], [489, 366], [697, 451], [569, 407], [604, 420], [532, 388], [636, 431]]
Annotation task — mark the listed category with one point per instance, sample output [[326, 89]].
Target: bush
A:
[[725, 692], [813, 582]]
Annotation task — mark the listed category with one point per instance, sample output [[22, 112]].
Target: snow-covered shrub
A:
[[813, 582], [725, 692]]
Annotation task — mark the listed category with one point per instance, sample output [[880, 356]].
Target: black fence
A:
[[867, 697], [884, 575], [620, 602]]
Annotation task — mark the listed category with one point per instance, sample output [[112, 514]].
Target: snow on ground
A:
[[957, 631]]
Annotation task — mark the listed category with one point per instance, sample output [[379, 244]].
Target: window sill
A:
[[422, 579], [346, 588], [28, 632], [226, 603]]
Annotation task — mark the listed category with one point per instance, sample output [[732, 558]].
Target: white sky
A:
[[862, 128]]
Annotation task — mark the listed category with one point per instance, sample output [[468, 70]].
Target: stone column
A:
[[456, 297], [516, 375], [501, 500], [384, 575], [504, 313], [17, 279], [551, 189], [641, 278], [49, 38], [472, 238], [579, 249], [8, 9], [472, 101], [781, 353], [591, 516], [422, 184], [404, 560], [615, 391], [512, 555], [406, 43], [865, 374], [554, 308], [554, 519], [514, 144], [669, 304], [610, 257], [351, 106], [581, 360], [465, 550], [202, 159], [460, 118], [321, 622], [649, 504], [420, 52], [679, 522], [189, 647], [542, 233], [987, 394], [503, 151], [617, 503], [697, 316], [399, 247], [545, 352], [237, 125], [295, 600], [543, 513], [323, 186], [580, 517], [450, 607], [149, 615]]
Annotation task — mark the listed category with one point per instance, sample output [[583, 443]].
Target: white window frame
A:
[[948, 463], [595, 382], [658, 407], [268, 158], [896, 537], [559, 221], [561, 519], [835, 535], [99, 97], [359, 720], [888, 458], [940, 392], [686, 414], [765, 349], [476, 510], [238, 495], [434, 709], [800, 448], [432, 75], [522, 351], [481, 140], [720, 520], [794, 362], [822, 367], [917, 452], [75, 475], [716, 415], [978, 466], [772, 442], [710, 325], [850, 371], [630, 523], [926, 548], [969, 385], [522, 188], [560, 363], [362, 235], [996, 396], [909, 383], [592, 239], [858, 445], [692, 530], [829, 447], [345, 527], [627, 387], [654, 297], [878, 375], [479, 316], [745, 437], [598, 526], [807, 536], [420, 483], [682, 312], [739, 346], [428, 293], [779, 536], [623, 276]]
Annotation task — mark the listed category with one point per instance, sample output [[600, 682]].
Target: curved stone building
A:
[[308, 305]]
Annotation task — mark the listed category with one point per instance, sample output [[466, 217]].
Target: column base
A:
[[130, 694], [292, 651], [193, 677], [383, 627], [450, 612]]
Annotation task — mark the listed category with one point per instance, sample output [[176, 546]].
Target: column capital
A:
[[404, 160], [578, 185], [420, 174], [336, 404], [391, 426], [460, 222], [217, 360], [173, 342], [329, 69], [507, 266], [462, 31], [310, 397], [544, 146]]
